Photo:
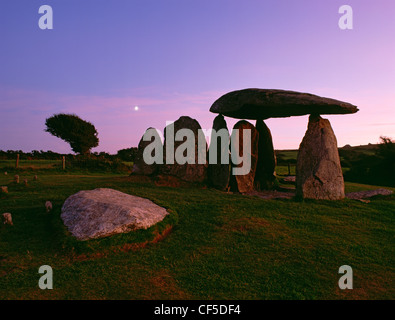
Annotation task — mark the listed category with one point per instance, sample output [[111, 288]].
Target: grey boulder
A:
[[91, 214]]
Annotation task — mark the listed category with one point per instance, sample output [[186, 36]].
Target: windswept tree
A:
[[387, 149], [80, 134]]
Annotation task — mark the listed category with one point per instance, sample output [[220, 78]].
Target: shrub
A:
[[97, 164], [378, 169]]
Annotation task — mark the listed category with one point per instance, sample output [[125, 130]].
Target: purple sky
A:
[[176, 57]]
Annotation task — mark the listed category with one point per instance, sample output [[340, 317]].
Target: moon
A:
[[136, 108]]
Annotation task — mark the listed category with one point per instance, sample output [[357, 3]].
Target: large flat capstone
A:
[[274, 103], [103, 212]]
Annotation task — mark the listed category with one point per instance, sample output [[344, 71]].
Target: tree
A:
[[376, 169], [127, 154], [80, 134], [387, 152], [387, 149]]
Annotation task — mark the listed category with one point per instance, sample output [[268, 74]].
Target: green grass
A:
[[288, 154], [283, 170], [221, 246]]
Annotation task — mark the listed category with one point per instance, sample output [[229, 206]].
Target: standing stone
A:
[[191, 170], [265, 171], [219, 173], [3, 189], [16, 178], [245, 183], [25, 182], [35, 178], [140, 166], [318, 170]]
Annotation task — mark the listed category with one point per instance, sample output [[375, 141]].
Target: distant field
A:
[[35, 164], [287, 154], [283, 170], [365, 149]]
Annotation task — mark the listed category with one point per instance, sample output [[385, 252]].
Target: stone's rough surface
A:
[[7, 218], [140, 166], [272, 194], [265, 175], [368, 194], [98, 213], [192, 171], [245, 183], [271, 103], [48, 206], [318, 171], [289, 179], [4, 189], [219, 173]]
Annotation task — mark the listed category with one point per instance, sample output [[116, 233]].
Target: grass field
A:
[[214, 245], [30, 164]]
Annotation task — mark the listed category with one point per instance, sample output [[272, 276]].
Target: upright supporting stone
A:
[[17, 161], [140, 167], [188, 163], [318, 170], [265, 171], [245, 183], [64, 163], [219, 173]]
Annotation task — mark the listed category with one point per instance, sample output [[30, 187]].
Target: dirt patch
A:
[[163, 234], [138, 178], [175, 182], [365, 289], [272, 194], [163, 286], [123, 248], [368, 194]]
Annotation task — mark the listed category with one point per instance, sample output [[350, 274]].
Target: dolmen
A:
[[318, 169]]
